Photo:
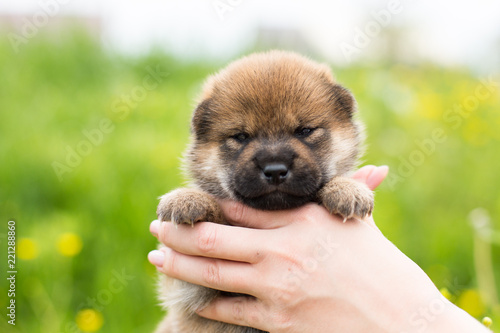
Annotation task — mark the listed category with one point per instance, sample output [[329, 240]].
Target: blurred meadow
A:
[[90, 139]]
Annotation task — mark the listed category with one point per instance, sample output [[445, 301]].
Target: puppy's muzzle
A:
[[276, 178]]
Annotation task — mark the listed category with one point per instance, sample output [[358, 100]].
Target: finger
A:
[[241, 215], [217, 274], [362, 173], [371, 175], [377, 177], [212, 240], [241, 311]]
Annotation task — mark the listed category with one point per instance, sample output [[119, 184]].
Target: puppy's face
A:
[[271, 130]]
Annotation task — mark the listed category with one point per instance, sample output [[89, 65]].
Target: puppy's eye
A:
[[303, 132], [241, 137]]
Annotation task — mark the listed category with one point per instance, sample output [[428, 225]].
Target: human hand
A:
[[305, 271]]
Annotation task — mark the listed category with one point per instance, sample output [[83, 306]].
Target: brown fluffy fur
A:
[[274, 131]]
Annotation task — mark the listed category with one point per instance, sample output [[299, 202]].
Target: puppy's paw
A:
[[347, 198], [189, 206]]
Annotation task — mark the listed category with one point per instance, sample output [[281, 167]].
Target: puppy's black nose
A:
[[275, 173]]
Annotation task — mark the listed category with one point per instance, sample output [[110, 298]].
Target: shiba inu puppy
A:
[[274, 131]]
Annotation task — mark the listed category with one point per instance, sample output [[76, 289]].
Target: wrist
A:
[[454, 319], [440, 315]]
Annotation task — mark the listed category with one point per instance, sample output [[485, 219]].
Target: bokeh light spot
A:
[[89, 320], [27, 249], [69, 244]]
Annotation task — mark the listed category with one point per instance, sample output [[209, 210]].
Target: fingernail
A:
[[374, 175], [156, 257], [154, 227], [385, 168]]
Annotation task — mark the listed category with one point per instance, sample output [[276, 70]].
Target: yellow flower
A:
[[89, 320], [69, 244], [487, 321], [27, 249], [470, 301]]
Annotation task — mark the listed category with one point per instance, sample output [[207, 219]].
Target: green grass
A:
[[52, 93]]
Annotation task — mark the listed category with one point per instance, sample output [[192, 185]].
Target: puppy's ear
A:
[[345, 104], [202, 120]]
